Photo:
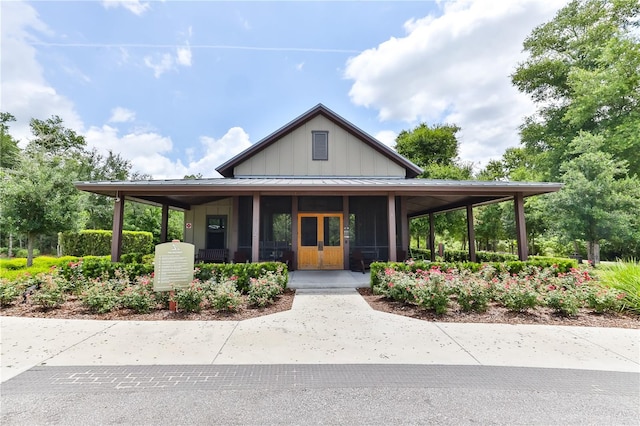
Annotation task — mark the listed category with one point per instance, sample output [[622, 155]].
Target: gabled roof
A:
[[227, 168]]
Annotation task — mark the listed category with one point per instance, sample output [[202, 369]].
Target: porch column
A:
[[294, 231], [471, 234], [255, 229], [404, 226], [235, 216], [164, 223], [432, 236], [345, 231], [521, 227], [392, 226], [116, 236]]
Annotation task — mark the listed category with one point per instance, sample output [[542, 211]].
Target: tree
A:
[[98, 209], [599, 201], [9, 150], [429, 146], [39, 199], [582, 71], [435, 150], [52, 138]]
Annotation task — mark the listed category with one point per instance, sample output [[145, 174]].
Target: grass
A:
[[624, 276], [14, 268]]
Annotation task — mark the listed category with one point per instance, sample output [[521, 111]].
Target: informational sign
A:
[[173, 266], [187, 225]]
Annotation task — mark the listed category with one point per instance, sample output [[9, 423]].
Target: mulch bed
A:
[[499, 314], [73, 309]]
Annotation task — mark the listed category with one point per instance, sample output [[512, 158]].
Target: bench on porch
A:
[[361, 261], [212, 255]]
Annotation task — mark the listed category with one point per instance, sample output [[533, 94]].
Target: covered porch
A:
[[314, 223]]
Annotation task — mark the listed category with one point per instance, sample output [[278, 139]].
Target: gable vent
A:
[[320, 146]]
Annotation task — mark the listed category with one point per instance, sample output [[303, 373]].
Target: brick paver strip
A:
[[45, 379]]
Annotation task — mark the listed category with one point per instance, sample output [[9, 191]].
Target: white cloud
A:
[[217, 151], [163, 65], [387, 137], [134, 6], [183, 56], [300, 66], [25, 92], [148, 151], [454, 68], [121, 115], [160, 64]]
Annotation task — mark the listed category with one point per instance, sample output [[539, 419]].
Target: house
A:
[[314, 192]]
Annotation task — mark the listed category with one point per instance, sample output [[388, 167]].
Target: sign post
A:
[[173, 267]]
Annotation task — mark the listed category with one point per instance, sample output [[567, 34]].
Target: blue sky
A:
[[180, 87]]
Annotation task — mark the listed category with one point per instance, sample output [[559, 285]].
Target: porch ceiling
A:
[[423, 196]]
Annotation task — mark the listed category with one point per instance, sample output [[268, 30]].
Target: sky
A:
[[179, 87]]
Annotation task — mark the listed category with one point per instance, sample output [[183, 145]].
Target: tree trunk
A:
[[30, 239], [593, 252], [10, 252]]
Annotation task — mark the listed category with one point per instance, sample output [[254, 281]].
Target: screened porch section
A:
[[362, 232]]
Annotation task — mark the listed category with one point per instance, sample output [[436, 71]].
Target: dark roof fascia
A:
[[327, 184], [226, 169]]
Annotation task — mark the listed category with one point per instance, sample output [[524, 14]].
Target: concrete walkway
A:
[[325, 326]]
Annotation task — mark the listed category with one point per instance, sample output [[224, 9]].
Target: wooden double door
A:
[[320, 241]]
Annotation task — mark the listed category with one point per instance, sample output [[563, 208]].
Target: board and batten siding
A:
[[197, 216], [291, 156]]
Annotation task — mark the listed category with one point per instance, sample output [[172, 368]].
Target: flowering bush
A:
[[602, 299], [516, 294], [9, 292], [473, 294], [264, 290], [563, 301], [397, 285], [139, 297], [101, 296], [225, 296], [51, 293], [190, 299]]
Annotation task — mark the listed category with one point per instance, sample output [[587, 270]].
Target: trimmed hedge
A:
[[513, 267], [243, 271], [98, 242], [463, 256], [101, 267]]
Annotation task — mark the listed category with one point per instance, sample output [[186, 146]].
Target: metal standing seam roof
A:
[[422, 195], [316, 184]]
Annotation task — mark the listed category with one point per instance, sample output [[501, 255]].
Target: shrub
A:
[[516, 294], [473, 294], [51, 293], [396, 285], [101, 296], [139, 297], [603, 299], [9, 292], [431, 291], [563, 301], [243, 272], [98, 242], [264, 290], [225, 296], [189, 299]]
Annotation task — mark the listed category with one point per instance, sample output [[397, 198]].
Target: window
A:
[[216, 232], [320, 147]]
